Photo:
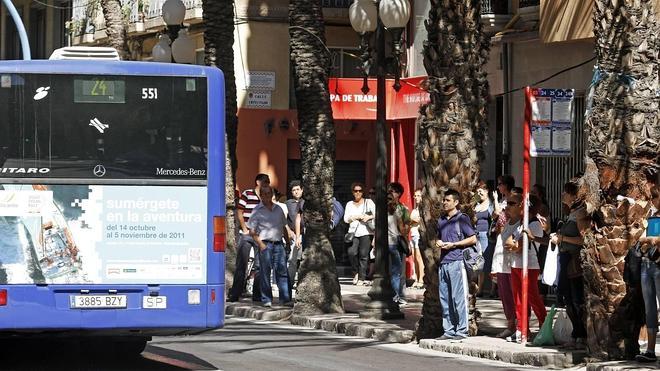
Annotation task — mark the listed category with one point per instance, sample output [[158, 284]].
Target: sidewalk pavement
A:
[[485, 345]]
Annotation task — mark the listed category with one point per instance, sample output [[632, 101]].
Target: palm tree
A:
[[452, 130], [318, 285], [623, 130], [219, 52], [115, 27]]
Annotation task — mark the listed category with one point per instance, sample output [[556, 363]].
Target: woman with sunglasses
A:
[[359, 215]]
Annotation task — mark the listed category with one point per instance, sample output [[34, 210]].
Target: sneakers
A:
[[515, 337], [504, 334], [452, 339], [355, 279], [268, 304], [646, 357], [402, 302], [445, 337]]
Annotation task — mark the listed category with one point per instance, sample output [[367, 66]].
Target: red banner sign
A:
[[349, 103]]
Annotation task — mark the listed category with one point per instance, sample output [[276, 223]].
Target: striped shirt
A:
[[249, 200]]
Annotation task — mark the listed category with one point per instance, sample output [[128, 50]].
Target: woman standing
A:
[[418, 263], [483, 212], [359, 214], [650, 246], [571, 284]]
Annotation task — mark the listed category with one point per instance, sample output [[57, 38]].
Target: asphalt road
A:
[[245, 345]]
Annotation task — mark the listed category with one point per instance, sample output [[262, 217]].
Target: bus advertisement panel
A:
[[102, 234]]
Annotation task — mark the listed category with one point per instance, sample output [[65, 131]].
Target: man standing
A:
[[455, 233], [295, 228], [267, 227], [249, 200], [398, 220]]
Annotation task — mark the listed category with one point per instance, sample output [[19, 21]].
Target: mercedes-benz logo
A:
[[99, 170]]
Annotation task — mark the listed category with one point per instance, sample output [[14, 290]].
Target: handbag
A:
[[349, 236], [403, 246]]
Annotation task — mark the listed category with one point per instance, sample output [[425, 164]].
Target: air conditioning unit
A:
[[76, 53]]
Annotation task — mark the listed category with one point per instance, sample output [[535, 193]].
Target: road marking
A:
[[175, 362]]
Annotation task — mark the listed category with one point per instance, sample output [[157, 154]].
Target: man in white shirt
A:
[[267, 226]]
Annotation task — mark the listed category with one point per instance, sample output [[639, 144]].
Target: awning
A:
[[349, 103]]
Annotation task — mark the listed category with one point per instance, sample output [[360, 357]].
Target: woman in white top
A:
[[418, 262], [359, 215]]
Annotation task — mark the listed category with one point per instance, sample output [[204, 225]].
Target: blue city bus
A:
[[112, 200]]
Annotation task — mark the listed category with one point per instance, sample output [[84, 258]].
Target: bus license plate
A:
[[154, 302], [98, 301]]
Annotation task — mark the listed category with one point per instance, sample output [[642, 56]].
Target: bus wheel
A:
[[130, 347]]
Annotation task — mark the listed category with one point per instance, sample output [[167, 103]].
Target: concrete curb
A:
[[348, 324], [621, 366], [526, 356]]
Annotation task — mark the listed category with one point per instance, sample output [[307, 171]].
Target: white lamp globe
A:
[[162, 52], [183, 48], [174, 12], [394, 13], [363, 15]]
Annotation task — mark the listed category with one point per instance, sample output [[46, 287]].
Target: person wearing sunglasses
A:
[[359, 215]]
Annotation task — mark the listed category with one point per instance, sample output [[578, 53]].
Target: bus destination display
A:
[[99, 90]]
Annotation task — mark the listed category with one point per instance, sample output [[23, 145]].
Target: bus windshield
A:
[[71, 126]]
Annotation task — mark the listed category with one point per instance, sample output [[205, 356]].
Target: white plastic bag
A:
[[551, 266], [562, 328]]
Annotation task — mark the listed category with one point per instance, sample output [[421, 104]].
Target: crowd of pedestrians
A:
[[271, 237]]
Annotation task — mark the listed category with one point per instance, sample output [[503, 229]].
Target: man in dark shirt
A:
[[455, 233], [294, 205]]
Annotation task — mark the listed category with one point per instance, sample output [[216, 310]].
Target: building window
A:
[[61, 15], [37, 32], [345, 62], [12, 42]]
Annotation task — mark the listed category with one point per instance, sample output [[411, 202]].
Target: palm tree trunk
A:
[[219, 52], [452, 130], [318, 285], [115, 27], [622, 159]]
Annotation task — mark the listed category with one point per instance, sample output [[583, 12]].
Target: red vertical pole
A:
[[526, 176]]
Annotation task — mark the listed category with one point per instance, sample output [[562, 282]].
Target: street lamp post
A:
[[182, 49], [367, 17]]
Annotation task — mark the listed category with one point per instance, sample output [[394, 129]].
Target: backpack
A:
[[472, 255], [337, 213]]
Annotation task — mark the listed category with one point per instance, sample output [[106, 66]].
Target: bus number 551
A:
[[149, 93]]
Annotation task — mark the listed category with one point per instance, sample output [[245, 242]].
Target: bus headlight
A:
[[194, 297]]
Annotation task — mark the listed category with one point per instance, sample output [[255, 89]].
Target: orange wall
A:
[[259, 152]]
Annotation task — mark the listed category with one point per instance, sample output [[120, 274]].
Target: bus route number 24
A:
[[149, 93]]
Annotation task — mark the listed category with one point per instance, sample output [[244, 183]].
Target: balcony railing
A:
[[337, 3], [494, 7], [526, 3]]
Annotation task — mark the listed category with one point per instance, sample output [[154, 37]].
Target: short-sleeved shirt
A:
[[502, 258], [532, 258], [268, 224], [447, 232], [400, 213], [294, 206], [248, 201]]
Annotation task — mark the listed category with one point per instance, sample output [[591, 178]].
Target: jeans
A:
[[273, 256], [453, 298], [651, 292], [294, 262], [245, 244], [395, 272], [358, 254], [486, 250]]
